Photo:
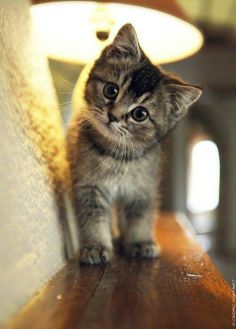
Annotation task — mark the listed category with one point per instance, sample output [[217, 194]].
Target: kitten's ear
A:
[[182, 96], [125, 44]]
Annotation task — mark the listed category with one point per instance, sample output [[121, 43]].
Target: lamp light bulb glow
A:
[[67, 30]]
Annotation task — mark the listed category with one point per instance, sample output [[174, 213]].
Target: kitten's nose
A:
[[112, 118]]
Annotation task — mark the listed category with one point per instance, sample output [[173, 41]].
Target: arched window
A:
[[204, 177]]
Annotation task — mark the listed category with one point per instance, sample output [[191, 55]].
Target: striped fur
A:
[[115, 159]]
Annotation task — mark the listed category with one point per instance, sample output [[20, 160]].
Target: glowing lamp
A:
[[77, 31]]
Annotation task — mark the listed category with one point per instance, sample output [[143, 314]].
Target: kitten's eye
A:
[[139, 113], [111, 90]]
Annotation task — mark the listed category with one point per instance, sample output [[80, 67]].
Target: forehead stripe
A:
[[145, 79]]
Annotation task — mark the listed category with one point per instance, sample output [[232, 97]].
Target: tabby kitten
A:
[[125, 109]]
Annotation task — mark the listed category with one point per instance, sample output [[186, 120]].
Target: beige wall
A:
[[33, 170]]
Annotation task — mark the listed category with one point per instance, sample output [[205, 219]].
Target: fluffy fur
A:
[[125, 109]]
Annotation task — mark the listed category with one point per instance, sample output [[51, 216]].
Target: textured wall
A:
[[33, 170]]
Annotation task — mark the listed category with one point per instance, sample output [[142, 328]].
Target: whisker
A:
[[66, 81]]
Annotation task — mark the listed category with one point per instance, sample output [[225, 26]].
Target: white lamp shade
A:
[[67, 32]]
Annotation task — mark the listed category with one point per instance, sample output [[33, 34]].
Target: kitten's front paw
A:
[[145, 249], [95, 255]]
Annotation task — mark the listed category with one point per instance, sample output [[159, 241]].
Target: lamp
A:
[[76, 31]]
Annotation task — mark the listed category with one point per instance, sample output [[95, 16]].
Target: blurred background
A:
[[199, 176]]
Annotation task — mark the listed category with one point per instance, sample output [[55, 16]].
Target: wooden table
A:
[[182, 289]]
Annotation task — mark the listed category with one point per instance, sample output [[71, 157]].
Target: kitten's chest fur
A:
[[120, 174]]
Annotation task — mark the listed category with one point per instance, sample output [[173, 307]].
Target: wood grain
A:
[[182, 289], [63, 301]]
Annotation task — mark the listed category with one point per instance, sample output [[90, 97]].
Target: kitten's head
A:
[[130, 98]]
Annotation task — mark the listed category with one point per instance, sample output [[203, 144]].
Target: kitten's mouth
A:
[[111, 128], [108, 128], [114, 128]]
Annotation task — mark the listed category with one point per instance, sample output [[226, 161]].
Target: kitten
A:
[[126, 108]]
